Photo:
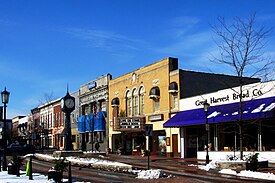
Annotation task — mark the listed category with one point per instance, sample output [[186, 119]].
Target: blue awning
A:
[[81, 124], [252, 109], [100, 124], [89, 123]]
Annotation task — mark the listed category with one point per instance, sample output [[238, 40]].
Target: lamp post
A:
[[5, 99], [206, 107]]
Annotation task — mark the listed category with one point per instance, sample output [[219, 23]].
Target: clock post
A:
[[68, 106]]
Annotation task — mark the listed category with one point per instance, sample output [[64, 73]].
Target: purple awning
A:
[[252, 109]]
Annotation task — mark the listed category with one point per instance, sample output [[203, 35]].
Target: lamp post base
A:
[[207, 159]]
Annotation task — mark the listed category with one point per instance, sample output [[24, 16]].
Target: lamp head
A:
[[206, 106], [5, 96]]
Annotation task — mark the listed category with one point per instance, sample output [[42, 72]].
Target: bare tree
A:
[[242, 44], [48, 97]]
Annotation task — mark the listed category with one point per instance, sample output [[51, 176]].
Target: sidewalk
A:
[[181, 167]]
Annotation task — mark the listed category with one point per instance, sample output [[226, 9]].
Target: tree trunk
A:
[[241, 120]]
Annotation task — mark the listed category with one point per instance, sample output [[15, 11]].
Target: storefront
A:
[[93, 102], [258, 121]]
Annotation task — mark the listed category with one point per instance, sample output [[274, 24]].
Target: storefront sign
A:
[[130, 123], [157, 117], [232, 97]]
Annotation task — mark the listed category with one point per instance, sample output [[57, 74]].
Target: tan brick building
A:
[[143, 97], [150, 96]]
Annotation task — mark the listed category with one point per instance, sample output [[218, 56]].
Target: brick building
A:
[[150, 96]]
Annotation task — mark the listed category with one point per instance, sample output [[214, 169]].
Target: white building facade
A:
[[258, 103]]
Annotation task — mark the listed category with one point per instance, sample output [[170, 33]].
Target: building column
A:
[[260, 136], [216, 142], [90, 138], [182, 142]]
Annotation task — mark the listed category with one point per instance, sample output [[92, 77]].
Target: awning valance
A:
[[154, 92], [252, 109], [115, 102], [173, 87]]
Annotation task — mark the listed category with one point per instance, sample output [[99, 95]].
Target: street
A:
[[177, 172]]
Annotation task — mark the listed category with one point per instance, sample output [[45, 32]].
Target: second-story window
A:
[[141, 100], [135, 102], [156, 105], [155, 96], [129, 104], [174, 100]]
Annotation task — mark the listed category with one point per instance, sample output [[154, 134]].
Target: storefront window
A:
[[162, 145]]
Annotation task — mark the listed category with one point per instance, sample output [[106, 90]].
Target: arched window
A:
[[135, 102], [173, 90], [141, 100], [155, 96], [129, 104], [115, 102]]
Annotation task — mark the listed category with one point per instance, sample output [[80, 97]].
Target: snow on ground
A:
[[100, 163], [150, 174], [37, 178], [243, 173], [153, 174]]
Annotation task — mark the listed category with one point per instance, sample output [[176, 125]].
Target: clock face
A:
[[69, 103]]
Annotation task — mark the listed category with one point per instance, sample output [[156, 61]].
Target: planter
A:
[[252, 166], [57, 176], [11, 169]]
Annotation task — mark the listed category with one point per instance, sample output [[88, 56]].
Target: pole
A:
[[30, 176], [148, 158], [5, 140], [0, 162], [68, 138], [18, 166], [207, 138], [70, 173]]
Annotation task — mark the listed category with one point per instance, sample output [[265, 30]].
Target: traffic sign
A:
[[149, 130]]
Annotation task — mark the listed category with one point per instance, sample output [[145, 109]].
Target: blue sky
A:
[[45, 44]]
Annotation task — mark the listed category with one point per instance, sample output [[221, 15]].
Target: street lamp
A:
[[206, 107], [5, 99]]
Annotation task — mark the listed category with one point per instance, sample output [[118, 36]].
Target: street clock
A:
[[67, 103]]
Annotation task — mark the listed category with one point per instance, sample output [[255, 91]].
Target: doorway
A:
[[175, 145]]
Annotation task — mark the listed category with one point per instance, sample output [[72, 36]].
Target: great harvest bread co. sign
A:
[[231, 95]]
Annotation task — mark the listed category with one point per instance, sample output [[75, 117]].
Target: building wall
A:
[[93, 97], [58, 126], [228, 96], [156, 74], [14, 131], [197, 83], [47, 123], [74, 118]]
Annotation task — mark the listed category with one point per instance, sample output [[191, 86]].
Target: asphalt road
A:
[[179, 173], [100, 176]]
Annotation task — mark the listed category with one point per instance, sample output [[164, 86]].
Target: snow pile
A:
[[228, 171], [99, 163], [250, 174], [244, 173], [90, 162], [267, 176], [150, 174], [211, 165]]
